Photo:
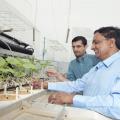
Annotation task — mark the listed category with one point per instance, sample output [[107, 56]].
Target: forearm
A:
[[106, 105], [70, 87], [58, 86]]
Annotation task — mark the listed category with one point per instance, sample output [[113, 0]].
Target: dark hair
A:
[[110, 32], [80, 38]]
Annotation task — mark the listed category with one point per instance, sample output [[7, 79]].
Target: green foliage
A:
[[20, 74], [20, 67], [5, 70], [14, 61], [28, 64], [2, 62], [45, 63], [17, 66]]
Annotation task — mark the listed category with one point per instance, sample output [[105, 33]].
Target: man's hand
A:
[[54, 73], [61, 98], [40, 84]]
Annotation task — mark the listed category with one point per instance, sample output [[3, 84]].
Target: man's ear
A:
[[112, 42], [86, 46]]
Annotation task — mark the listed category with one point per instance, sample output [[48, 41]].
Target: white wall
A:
[[43, 17], [26, 8], [52, 18]]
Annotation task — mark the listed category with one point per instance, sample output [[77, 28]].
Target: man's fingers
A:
[[51, 98], [51, 72], [55, 99], [36, 84]]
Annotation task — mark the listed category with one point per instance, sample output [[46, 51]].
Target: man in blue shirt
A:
[[79, 66], [101, 85]]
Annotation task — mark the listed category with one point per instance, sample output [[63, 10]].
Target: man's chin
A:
[[77, 56]]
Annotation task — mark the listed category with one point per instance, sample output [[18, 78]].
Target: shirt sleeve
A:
[[70, 73], [71, 86], [108, 105]]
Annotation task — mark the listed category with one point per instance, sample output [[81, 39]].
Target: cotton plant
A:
[[22, 70], [5, 72], [43, 67], [18, 69], [38, 69], [29, 67]]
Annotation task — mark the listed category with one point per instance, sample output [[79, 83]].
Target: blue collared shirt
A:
[[100, 86], [79, 66]]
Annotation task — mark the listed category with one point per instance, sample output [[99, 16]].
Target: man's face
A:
[[101, 46], [78, 48]]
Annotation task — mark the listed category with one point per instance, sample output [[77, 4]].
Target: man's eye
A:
[[78, 46], [96, 42]]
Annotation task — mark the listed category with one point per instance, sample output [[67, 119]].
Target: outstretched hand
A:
[[61, 98], [40, 84], [54, 73]]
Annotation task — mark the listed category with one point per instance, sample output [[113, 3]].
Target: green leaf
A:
[[6, 71], [2, 62], [19, 74], [14, 61]]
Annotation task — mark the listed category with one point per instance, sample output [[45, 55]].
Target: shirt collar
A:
[[100, 64], [81, 58], [107, 62]]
